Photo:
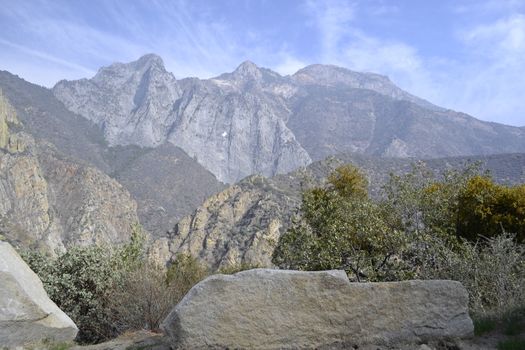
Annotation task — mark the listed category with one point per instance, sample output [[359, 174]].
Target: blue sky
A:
[[464, 55]]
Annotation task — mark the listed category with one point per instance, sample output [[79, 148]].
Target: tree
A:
[[488, 209], [341, 228]]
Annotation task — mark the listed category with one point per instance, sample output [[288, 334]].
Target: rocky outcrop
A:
[[88, 206], [132, 102], [254, 121], [234, 129], [166, 183], [8, 141], [276, 309], [27, 315], [238, 226], [49, 202]]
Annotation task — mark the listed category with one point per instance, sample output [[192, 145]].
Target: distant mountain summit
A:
[[329, 75], [131, 102], [255, 121]]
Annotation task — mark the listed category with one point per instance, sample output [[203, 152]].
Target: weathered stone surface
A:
[[276, 309], [48, 201], [7, 117], [166, 183], [139, 340], [27, 314], [240, 225]]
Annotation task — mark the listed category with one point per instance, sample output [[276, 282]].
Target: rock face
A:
[[128, 94], [254, 121], [240, 225], [166, 183], [27, 315], [229, 124], [275, 309], [49, 202]]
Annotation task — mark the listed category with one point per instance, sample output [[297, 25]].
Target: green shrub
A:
[[185, 272], [142, 299], [493, 271], [341, 228], [145, 295], [514, 321], [512, 344], [421, 228], [484, 325], [80, 281]]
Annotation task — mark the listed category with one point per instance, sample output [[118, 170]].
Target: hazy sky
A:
[[464, 55]]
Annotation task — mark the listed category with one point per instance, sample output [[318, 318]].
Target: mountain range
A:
[[255, 121], [212, 167]]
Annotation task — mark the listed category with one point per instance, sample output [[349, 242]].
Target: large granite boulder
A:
[[276, 309], [27, 315]]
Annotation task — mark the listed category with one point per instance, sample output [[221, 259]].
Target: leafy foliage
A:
[[487, 209], [146, 294], [80, 282], [492, 270], [341, 228], [107, 291], [184, 272], [451, 226]]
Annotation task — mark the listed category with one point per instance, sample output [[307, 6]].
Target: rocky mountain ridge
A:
[[165, 182], [255, 121], [49, 202]]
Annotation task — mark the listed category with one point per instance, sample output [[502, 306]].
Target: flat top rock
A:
[[274, 309]]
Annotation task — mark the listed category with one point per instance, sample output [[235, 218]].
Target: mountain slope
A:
[[49, 202], [167, 184], [328, 120], [227, 124], [159, 180], [254, 121]]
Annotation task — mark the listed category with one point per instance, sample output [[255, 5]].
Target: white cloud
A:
[[487, 7], [289, 65], [191, 44], [491, 84], [502, 39], [45, 56], [332, 18], [486, 82], [346, 45]]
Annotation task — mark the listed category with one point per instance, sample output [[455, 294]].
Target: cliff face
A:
[[240, 225], [231, 125], [89, 206], [254, 121], [49, 202], [166, 183], [131, 102]]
